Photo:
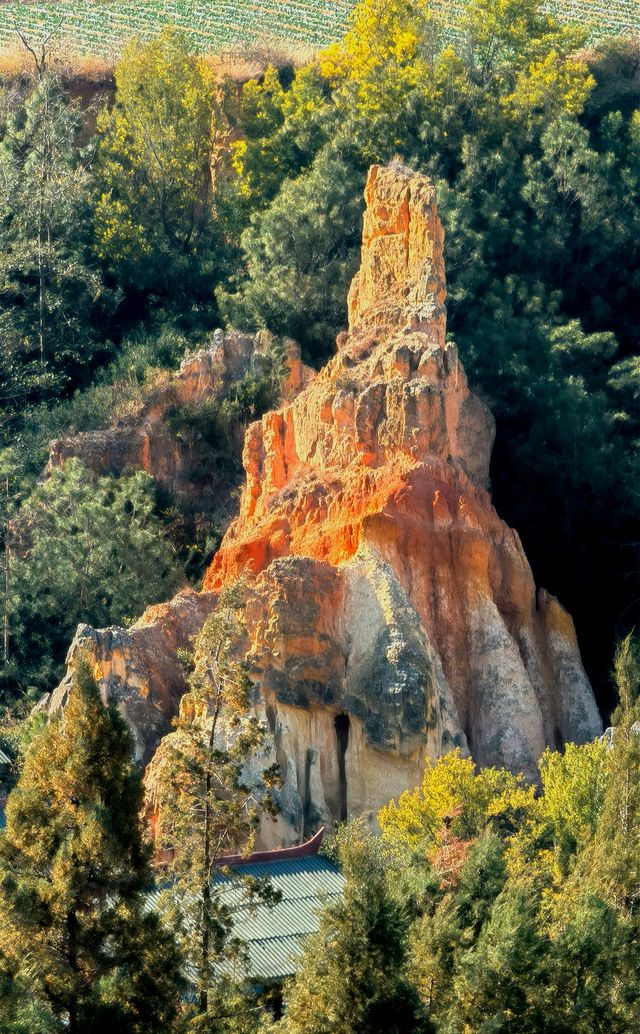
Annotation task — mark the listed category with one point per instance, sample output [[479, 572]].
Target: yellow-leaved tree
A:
[[388, 51], [451, 787]]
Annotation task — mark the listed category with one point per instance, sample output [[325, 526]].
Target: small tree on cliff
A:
[[73, 869], [208, 804]]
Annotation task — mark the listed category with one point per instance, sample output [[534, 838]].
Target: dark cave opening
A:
[[342, 734]]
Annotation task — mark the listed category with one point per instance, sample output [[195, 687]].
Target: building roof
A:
[[4, 760], [274, 934]]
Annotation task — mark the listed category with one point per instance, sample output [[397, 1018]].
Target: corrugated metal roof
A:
[[274, 934], [4, 760]]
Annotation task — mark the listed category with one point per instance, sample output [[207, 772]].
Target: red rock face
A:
[[382, 464], [392, 615]]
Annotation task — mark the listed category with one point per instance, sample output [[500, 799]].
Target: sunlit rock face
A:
[[404, 599], [138, 668], [391, 614]]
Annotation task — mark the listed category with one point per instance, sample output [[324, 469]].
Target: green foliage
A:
[[51, 294], [452, 920], [118, 392], [535, 156], [492, 985], [297, 268], [83, 549], [573, 788], [613, 862], [529, 924], [282, 131], [353, 977], [73, 869], [154, 218], [451, 786], [208, 806]]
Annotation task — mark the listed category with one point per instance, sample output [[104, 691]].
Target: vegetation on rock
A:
[[207, 803]]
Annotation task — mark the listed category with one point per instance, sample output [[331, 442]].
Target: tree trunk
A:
[[206, 862], [72, 958]]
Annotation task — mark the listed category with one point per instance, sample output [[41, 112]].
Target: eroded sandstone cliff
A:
[[146, 441], [392, 614]]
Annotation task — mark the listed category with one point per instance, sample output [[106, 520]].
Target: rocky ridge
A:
[[392, 615], [147, 442]]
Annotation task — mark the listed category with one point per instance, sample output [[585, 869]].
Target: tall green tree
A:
[[155, 226], [51, 290], [492, 987], [297, 268], [84, 548], [73, 872], [353, 977], [613, 863], [453, 917], [209, 794]]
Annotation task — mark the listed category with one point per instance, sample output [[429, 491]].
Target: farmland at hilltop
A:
[[99, 30]]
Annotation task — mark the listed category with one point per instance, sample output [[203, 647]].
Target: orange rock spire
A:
[[391, 614]]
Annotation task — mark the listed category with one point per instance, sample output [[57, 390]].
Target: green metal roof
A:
[[274, 934]]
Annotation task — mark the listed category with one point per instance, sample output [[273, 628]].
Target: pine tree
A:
[[448, 929], [612, 865], [50, 290], [73, 872], [208, 804], [352, 978], [84, 548], [494, 979]]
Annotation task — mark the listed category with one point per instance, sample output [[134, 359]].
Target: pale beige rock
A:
[[138, 668]]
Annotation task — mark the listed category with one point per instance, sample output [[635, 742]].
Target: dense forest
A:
[[131, 229], [486, 905]]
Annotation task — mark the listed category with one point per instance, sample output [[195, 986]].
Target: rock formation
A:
[[392, 615], [139, 667], [146, 440]]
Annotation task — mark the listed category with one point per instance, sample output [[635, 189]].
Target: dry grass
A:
[[240, 62], [237, 63], [250, 61], [16, 63]]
